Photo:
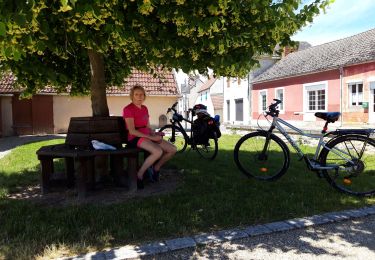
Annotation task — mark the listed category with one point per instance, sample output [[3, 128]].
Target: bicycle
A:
[[344, 157], [177, 135]]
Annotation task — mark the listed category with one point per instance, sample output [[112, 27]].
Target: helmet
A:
[[200, 108]]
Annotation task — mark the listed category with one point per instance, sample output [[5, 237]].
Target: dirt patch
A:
[[105, 193]]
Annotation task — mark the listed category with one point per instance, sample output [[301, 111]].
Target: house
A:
[[210, 94], [238, 92], [199, 89], [50, 112], [336, 76]]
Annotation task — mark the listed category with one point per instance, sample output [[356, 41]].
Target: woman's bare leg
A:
[[169, 150], [156, 153]]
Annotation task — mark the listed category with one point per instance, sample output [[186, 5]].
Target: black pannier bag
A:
[[205, 127], [200, 131]]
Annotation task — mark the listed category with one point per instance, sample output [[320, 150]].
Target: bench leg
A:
[[69, 169], [46, 171], [132, 171], [83, 171], [117, 169]]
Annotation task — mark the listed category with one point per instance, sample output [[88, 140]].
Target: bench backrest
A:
[[82, 130]]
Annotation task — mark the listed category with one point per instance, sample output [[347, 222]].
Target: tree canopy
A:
[[93, 43]]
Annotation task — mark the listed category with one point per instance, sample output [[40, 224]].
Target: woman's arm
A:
[[133, 131]]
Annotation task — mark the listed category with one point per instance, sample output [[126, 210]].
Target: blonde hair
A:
[[137, 87]]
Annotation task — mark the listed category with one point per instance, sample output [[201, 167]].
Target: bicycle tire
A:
[[180, 139], [357, 179], [208, 151], [251, 161]]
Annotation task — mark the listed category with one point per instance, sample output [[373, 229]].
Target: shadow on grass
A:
[[213, 195]]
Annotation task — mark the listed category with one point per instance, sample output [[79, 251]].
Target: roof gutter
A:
[[313, 72]]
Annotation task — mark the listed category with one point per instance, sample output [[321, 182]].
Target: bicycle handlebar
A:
[[272, 109], [172, 108]]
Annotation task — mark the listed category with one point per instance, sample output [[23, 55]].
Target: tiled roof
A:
[[162, 85], [217, 101], [356, 49], [207, 84], [6, 83]]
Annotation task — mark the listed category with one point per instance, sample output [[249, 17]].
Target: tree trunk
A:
[[98, 87], [99, 104]]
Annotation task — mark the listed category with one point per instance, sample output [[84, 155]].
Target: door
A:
[[22, 116], [42, 114], [33, 116]]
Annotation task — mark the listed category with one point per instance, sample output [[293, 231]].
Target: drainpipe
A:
[[249, 97], [341, 80]]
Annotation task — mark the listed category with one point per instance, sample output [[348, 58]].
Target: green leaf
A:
[[16, 54], [2, 29]]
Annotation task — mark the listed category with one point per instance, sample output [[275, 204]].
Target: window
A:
[[228, 110], [316, 96], [355, 94], [239, 109], [205, 95], [280, 95], [262, 101]]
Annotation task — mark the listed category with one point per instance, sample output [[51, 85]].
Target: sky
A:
[[342, 19]]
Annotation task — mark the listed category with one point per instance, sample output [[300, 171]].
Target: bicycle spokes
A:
[[355, 160]]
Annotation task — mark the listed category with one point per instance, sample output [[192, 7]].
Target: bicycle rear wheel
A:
[[259, 159], [354, 156], [179, 138], [209, 149]]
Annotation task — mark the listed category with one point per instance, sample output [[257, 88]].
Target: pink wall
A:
[[293, 93], [366, 74]]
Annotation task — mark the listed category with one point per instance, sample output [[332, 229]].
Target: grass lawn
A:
[[213, 195]]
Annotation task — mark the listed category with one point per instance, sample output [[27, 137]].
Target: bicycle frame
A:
[[174, 122], [312, 164]]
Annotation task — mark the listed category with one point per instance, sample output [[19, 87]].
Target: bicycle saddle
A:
[[330, 117]]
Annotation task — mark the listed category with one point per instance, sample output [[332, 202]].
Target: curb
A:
[[137, 251]]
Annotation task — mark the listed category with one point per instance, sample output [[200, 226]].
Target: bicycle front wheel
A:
[[177, 137], [353, 160], [209, 149], [261, 157]]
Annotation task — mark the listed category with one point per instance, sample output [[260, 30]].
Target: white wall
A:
[[65, 107], [238, 89]]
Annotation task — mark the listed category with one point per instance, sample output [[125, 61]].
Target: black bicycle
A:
[[177, 135], [345, 157]]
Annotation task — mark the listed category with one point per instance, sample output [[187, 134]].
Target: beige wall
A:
[[65, 107], [6, 115]]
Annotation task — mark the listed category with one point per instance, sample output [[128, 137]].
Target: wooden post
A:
[[46, 163]]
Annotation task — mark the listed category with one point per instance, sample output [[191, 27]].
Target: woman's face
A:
[[138, 97]]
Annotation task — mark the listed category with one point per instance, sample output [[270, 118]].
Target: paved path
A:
[[350, 239], [8, 143], [346, 234]]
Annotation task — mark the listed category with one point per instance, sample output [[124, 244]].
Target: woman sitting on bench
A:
[[141, 135]]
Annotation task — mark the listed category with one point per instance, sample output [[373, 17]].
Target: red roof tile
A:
[[207, 84], [6, 83], [164, 84], [217, 101]]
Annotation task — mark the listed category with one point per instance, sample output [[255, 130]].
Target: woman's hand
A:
[[156, 138]]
